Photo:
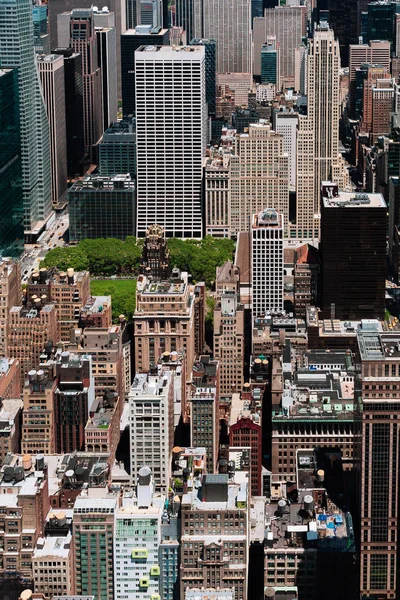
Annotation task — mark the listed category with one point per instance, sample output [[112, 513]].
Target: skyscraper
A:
[[211, 69], [107, 57], [380, 456], [270, 62], [229, 23], [17, 51], [267, 262], [376, 52], [12, 209], [318, 157], [77, 30], [171, 138], [51, 71], [353, 254], [259, 176]]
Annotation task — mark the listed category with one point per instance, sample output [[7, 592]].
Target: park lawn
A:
[[122, 292]]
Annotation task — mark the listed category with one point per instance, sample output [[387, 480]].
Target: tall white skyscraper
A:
[[17, 51], [318, 157], [171, 133], [229, 23], [151, 416], [285, 123], [267, 262]]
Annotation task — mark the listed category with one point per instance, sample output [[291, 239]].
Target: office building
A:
[[229, 325], [151, 417], [51, 71], [12, 221], [229, 24], [188, 16], [107, 49], [204, 423], [68, 291], [158, 330], [39, 17], [306, 279], [285, 123], [102, 207], [29, 331], [366, 80], [93, 539], [377, 52], [38, 427], [222, 543], [236, 86], [170, 163], [210, 47], [17, 51], [117, 149], [217, 183], [170, 557], [245, 432], [53, 565], [382, 109], [77, 159], [380, 456], [381, 20], [149, 13], [259, 176], [138, 536], [131, 40], [55, 7], [318, 135], [394, 226], [77, 30], [270, 62], [10, 295], [10, 429], [267, 262], [102, 430], [73, 398], [10, 385], [353, 254], [287, 24]]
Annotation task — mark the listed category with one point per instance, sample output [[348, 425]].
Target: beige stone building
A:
[[164, 321], [259, 176], [10, 295], [38, 434], [218, 195], [53, 567]]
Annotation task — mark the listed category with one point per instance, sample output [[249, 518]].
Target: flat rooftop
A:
[[53, 546], [354, 200], [171, 52], [379, 346]]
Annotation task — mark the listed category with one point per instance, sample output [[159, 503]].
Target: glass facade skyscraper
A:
[[17, 51], [11, 205], [210, 47]]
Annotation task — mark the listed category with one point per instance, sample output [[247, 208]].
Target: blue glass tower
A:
[[269, 63], [11, 202]]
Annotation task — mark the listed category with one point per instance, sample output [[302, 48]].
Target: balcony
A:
[[140, 554]]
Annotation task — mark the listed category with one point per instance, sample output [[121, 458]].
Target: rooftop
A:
[[268, 217], [8, 413], [374, 345], [171, 52], [353, 199], [59, 547], [151, 385]]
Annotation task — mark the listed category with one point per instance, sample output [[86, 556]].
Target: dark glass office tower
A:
[[77, 160], [210, 47], [11, 200], [353, 254], [381, 18], [131, 40]]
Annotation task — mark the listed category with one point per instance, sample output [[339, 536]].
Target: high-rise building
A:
[[170, 162], [10, 385], [151, 417], [28, 332], [10, 418], [366, 80], [73, 397], [77, 30], [229, 326], [210, 47], [382, 108], [318, 157], [188, 16], [270, 62], [306, 279], [149, 12], [38, 433], [394, 226], [93, 534], [229, 23], [51, 71], [107, 49], [10, 295], [39, 16], [376, 52], [155, 259], [353, 254], [56, 551], [259, 176], [379, 463], [12, 208], [287, 24], [117, 149], [131, 40], [138, 536], [73, 80], [222, 542], [204, 423], [267, 262], [285, 123], [217, 183], [17, 51], [102, 207]]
